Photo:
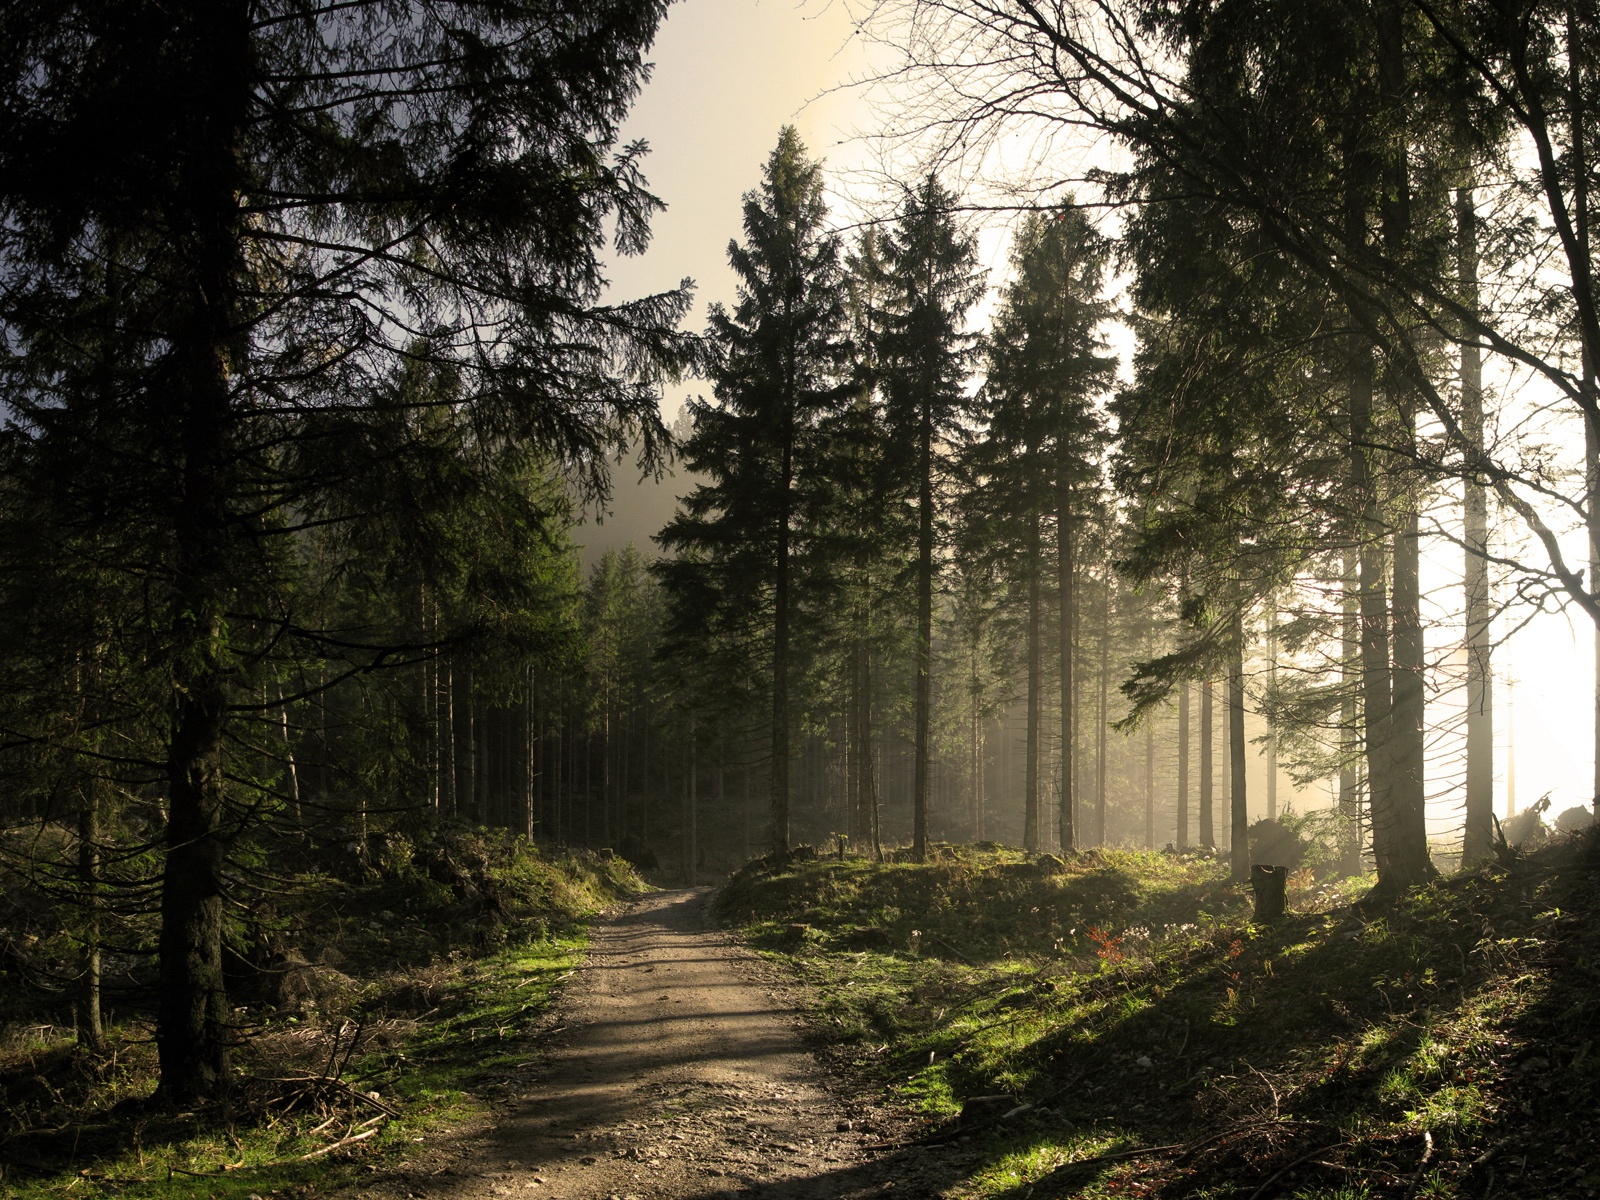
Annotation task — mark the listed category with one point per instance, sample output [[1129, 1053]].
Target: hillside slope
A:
[[1122, 1008]]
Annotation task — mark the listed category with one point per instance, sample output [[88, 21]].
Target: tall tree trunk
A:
[[91, 1028], [691, 809], [1030, 802], [1068, 619], [1478, 834], [1101, 713], [1239, 826], [924, 649], [462, 733], [1272, 732], [291, 772], [975, 749], [1586, 379], [1376, 716], [192, 1019], [870, 757], [1409, 862], [1183, 766], [1349, 739], [779, 775], [1208, 744], [1149, 785]]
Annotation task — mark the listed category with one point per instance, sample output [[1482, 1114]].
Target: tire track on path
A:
[[683, 1076]]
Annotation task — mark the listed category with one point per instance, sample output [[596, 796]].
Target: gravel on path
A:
[[681, 1075]]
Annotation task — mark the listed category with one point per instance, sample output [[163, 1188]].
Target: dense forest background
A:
[[309, 377]]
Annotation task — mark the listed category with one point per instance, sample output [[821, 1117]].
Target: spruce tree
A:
[[925, 354], [1048, 366], [225, 227], [782, 368]]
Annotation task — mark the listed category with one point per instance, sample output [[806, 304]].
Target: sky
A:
[[728, 74]]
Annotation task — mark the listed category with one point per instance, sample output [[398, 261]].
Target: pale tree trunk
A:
[[924, 649], [291, 773], [1239, 847], [1068, 619], [1272, 733], [975, 748], [1030, 809], [1374, 613], [1149, 785], [1478, 834], [1208, 832], [1182, 831], [1349, 674], [1101, 714], [870, 756]]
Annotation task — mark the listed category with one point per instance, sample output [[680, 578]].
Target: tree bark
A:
[[1182, 831], [1376, 717], [1586, 379], [691, 805], [1409, 862], [924, 650], [1239, 826], [1030, 802], [1068, 620], [779, 777], [1208, 741], [1478, 833], [1272, 733], [1349, 739], [462, 734], [1101, 714], [192, 1028], [1149, 785], [91, 1028]]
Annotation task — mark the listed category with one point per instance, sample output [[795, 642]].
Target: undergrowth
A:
[[398, 999], [1120, 1002]]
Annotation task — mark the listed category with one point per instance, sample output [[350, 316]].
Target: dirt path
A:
[[682, 1075]]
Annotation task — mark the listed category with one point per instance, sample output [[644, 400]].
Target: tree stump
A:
[[1268, 883]]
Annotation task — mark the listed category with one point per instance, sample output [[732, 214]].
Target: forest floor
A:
[[1116, 1025], [985, 1026]]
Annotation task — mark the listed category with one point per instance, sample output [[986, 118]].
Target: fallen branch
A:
[[1279, 1174], [332, 1146], [314, 1082], [1427, 1154]]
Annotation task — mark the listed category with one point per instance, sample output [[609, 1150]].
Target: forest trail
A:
[[681, 1076]]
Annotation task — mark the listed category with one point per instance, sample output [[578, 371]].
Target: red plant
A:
[[1110, 947]]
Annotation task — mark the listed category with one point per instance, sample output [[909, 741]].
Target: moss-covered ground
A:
[[418, 994], [1123, 1008]]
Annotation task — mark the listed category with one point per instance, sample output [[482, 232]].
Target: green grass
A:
[[440, 1072], [1368, 1030], [439, 1037]]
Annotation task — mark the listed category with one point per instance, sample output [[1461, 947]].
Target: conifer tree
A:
[[261, 211], [781, 370], [924, 355], [1048, 367]]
